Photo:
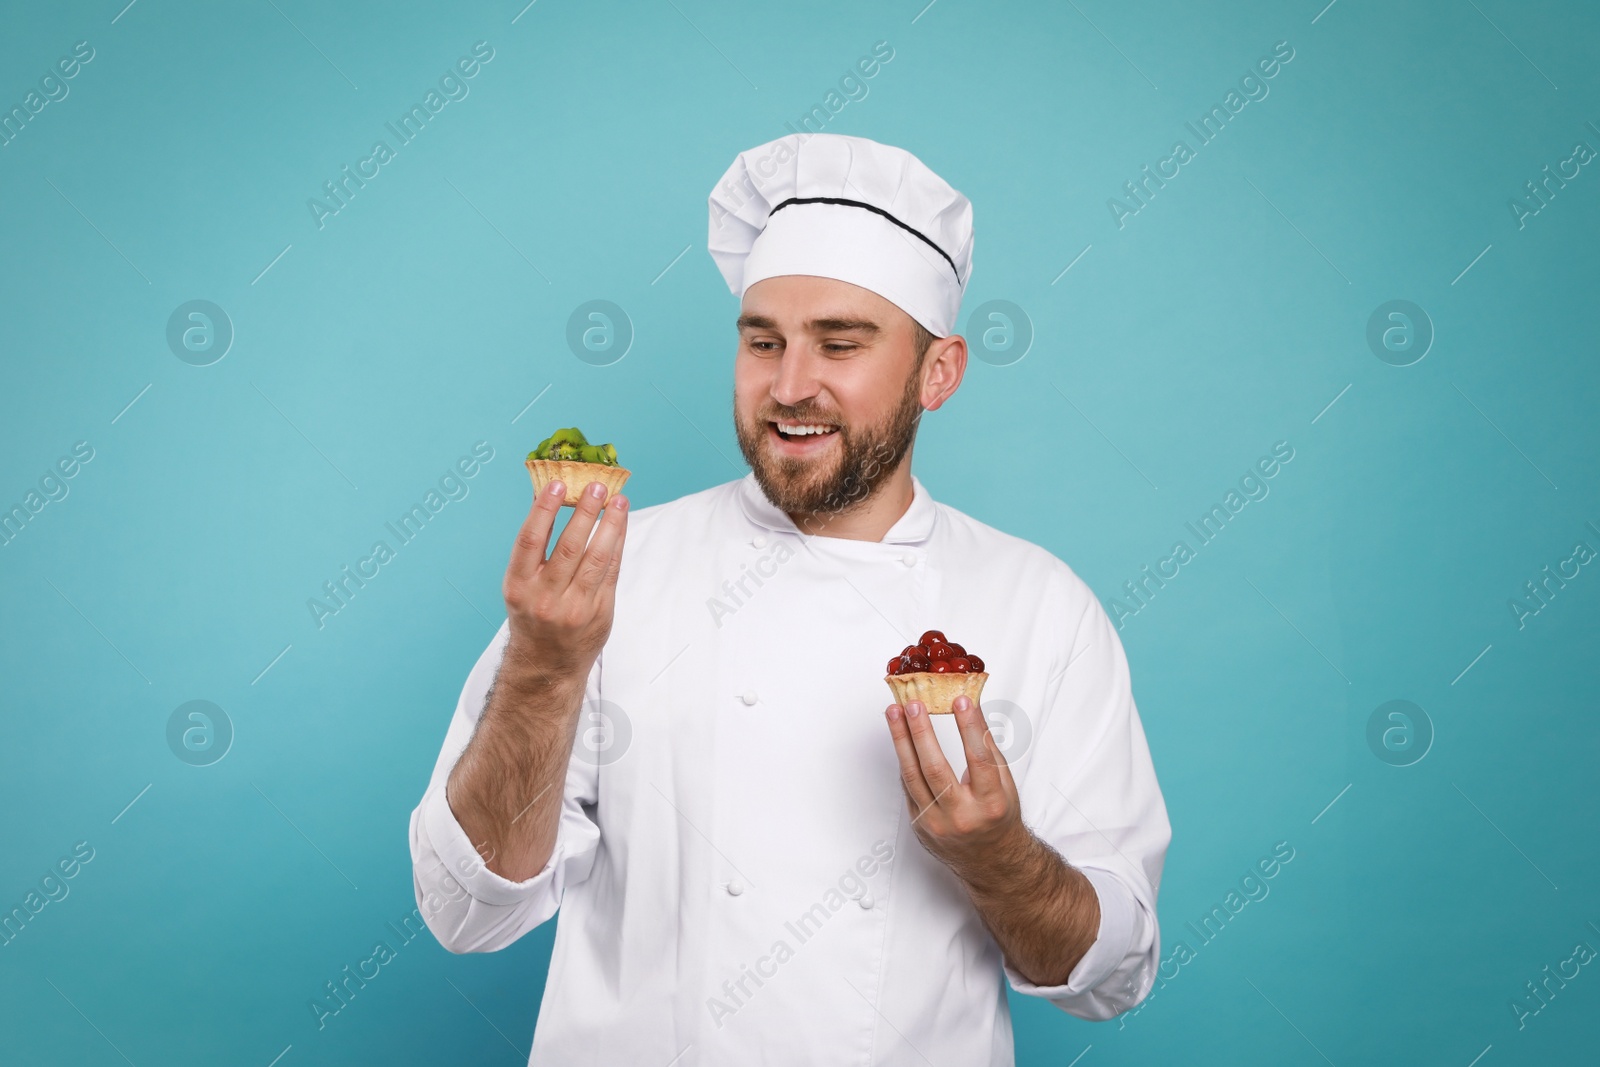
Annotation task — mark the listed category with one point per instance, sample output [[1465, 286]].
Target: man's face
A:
[[817, 354]]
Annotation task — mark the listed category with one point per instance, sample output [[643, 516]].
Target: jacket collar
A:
[[914, 527]]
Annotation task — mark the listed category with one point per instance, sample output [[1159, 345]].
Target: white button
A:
[[749, 696], [909, 559], [866, 902], [735, 887], [760, 541]]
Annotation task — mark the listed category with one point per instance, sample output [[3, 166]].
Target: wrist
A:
[[1013, 863], [526, 676]]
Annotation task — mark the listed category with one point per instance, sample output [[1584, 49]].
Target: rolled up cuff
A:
[[1110, 946], [466, 866]]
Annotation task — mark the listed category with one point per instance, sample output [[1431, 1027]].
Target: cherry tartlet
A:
[[935, 671]]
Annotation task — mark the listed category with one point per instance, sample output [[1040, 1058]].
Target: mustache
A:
[[805, 413]]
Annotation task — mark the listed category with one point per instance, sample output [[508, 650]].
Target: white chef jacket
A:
[[738, 877]]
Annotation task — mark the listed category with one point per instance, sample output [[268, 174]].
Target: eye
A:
[[839, 347], [763, 347]]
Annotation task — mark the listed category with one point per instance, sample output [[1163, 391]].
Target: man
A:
[[756, 861]]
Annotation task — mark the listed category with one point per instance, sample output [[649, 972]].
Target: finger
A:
[[606, 596], [605, 599], [569, 548], [604, 547], [610, 583], [917, 791], [1007, 782], [935, 768], [983, 753], [527, 553]]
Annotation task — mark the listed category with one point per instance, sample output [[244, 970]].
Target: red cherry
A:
[[961, 665], [919, 663], [909, 650], [940, 651], [932, 637], [940, 666], [957, 649], [976, 663], [894, 666]]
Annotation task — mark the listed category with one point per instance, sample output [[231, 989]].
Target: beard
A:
[[829, 486]]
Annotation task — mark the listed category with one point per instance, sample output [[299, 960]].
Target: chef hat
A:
[[847, 208]]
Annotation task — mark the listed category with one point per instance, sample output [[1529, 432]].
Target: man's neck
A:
[[870, 519]]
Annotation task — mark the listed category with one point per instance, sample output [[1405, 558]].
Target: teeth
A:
[[800, 428]]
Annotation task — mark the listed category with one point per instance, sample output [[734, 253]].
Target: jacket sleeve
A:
[[1089, 790], [468, 907]]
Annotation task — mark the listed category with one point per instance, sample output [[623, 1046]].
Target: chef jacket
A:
[[737, 874]]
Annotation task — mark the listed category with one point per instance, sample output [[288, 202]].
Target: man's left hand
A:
[[975, 823]]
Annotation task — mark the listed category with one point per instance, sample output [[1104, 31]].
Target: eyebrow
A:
[[762, 322]]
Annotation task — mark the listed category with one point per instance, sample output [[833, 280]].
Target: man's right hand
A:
[[560, 608], [506, 789]]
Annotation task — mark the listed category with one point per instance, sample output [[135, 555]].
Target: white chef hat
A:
[[848, 208]]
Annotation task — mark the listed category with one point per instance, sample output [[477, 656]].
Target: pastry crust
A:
[[937, 692], [576, 476]]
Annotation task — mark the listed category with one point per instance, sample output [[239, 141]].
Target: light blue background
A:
[[1224, 317]]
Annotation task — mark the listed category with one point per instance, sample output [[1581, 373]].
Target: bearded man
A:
[[756, 860]]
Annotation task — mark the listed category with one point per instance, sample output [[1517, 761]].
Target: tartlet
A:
[[567, 456], [935, 671]]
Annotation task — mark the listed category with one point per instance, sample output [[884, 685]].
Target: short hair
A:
[[921, 339]]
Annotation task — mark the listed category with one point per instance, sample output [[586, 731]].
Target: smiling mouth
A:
[[802, 432]]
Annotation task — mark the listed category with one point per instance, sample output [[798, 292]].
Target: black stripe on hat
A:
[[919, 235]]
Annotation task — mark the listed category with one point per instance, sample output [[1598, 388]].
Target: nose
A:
[[796, 377]]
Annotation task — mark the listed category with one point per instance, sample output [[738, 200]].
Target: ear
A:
[[942, 369]]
